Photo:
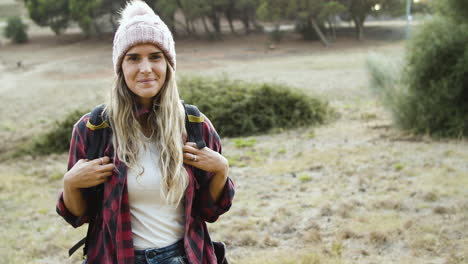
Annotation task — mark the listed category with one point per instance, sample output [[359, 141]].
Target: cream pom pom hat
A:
[[139, 24]]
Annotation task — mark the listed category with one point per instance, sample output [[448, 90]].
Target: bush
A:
[[431, 94], [455, 9], [57, 140], [16, 30], [437, 77], [239, 108], [236, 108]]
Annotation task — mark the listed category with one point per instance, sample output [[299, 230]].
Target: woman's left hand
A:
[[205, 159]]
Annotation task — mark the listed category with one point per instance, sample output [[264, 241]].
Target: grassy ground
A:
[[355, 190]]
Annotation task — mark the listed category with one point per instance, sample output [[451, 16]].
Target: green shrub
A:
[[437, 78], [57, 140], [16, 30], [239, 108], [455, 9], [430, 95]]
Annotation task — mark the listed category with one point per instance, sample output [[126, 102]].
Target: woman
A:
[[154, 208]]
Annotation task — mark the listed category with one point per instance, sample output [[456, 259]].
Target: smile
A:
[[146, 80]]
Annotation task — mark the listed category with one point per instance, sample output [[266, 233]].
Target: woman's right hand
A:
[[88, 173]]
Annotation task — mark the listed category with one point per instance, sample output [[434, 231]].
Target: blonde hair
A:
[[166, 122]]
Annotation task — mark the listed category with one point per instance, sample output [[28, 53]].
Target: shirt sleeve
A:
[[77, 152], [210, 209]]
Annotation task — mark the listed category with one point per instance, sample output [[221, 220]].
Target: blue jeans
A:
[[173, 254]]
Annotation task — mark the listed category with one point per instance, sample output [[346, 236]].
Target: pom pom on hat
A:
[[139, 24], [135, 8]]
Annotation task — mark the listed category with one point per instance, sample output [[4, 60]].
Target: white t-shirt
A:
[[155, 223]]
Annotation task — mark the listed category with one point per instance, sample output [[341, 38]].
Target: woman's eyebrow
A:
[[137, 54]]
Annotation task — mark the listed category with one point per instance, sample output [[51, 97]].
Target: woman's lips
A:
[[146, 80]]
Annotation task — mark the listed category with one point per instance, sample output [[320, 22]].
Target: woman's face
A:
[[144, 68]]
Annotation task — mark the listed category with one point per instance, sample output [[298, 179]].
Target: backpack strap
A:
[[194, 125], [98, 139], [96, 124]]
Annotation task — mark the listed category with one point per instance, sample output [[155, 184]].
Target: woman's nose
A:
[[145, 66]]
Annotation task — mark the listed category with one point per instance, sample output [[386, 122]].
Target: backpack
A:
[[99, 137]]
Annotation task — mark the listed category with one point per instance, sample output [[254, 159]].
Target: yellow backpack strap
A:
[[97, 121], [194, 125]]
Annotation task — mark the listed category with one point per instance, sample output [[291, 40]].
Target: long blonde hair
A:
[[166, 122]]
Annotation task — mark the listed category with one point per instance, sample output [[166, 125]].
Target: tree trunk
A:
[[205, 25], [230, 19], [334, 30], [187, 26], [97, 29], [193, 29], [331, 27], [319, 32], [245, 19], [328, 28], [246, 23], [359, 26], [216, 23]]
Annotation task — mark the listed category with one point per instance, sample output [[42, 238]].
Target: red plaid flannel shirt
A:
[[112, 238]]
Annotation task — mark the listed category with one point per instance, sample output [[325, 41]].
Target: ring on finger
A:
[[101, 160], [194, 158]]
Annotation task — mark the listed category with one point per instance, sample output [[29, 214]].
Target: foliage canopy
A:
[[16, 30], [52, 13]]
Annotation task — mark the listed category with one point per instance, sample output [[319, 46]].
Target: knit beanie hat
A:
[[139, 24]]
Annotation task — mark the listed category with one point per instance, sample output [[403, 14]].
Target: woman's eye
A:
[[132, 58], [155, 57]]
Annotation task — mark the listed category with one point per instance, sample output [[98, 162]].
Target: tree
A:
[[328, 13], [49, 13], [246, 11], [166, 9], [313, 14], [274, 11], [85, 13], [230, 12], [359, 10], [111, 8], [213, 9], [16, 30], [193, 10], [88, 13]]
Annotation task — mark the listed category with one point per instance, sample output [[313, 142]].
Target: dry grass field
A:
[[356, 190]]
